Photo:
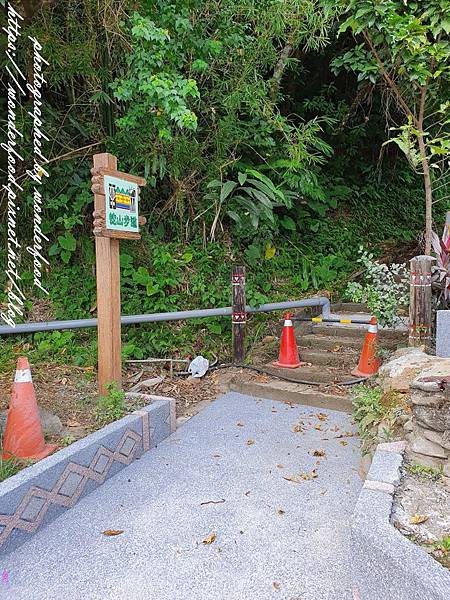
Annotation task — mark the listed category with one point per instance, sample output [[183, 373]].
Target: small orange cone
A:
[[368, 363], [288, 358], [23, 433]]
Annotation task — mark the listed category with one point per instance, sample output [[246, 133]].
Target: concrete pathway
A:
[[222, 473]]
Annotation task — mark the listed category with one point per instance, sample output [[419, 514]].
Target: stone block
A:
[[421, 398], [442, 439], [408, 426], [385, 467], [51, 424], [425, 461], [437, 419], [421, 445], [443, 333]]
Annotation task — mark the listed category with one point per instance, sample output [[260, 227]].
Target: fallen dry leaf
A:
[[239, 424], [322, 417], [343, 443], [280, 466], [298, 427], [292, 478], [318, 427], [304, 476], [309, 476], [210, 539], [276, 585], [418, 519], [250, 442], [73, 423], [318, 453], [345, 434], [280, 511], [111, 532]]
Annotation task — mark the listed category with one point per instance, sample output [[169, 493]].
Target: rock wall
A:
[[428, 431]]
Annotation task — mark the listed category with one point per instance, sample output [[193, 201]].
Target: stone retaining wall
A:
[[429, 429]]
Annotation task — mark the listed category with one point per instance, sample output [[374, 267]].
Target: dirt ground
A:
[[422, 512], [70, 393]]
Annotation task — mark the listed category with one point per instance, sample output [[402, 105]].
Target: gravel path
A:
[[235, 475]]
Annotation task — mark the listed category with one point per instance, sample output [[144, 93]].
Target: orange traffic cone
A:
[[288, 358], [368, 363], [23, 433]]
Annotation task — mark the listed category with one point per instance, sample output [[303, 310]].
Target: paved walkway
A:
[[222, 473]]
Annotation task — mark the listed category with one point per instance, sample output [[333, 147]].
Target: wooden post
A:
[[239, 314], [420, 313], [108, 294]]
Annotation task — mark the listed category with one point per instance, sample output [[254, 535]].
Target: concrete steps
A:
[[329, 358], [327, 376], [292, 393], [359, 331], [331, 350], [337, 342]]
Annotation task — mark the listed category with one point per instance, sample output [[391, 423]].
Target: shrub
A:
[[385, 288]]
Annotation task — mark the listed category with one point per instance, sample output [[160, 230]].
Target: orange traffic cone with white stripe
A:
[[23, 433], [368, 363], [288, 357]]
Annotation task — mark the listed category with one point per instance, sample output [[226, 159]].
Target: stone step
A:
[[349, 307], [293, 393], [333, 359], [341, 329], [330, 342], [320, 374]]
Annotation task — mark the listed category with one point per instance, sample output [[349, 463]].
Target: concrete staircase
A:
[[330, 351]]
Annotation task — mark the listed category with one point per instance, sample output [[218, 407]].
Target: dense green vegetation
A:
[[260, 126]]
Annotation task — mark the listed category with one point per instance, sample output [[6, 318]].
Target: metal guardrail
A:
[[24, 328], [327, 320]]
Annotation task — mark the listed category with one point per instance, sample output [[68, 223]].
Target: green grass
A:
[[112, 406], [9, 467], [423, 471]]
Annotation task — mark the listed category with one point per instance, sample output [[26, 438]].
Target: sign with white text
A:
[[122, 204]]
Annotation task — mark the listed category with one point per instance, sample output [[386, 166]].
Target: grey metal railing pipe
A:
[[322, 302]]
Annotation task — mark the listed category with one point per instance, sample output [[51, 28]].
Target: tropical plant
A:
[[440, 278], [404, 46], [249, 201]]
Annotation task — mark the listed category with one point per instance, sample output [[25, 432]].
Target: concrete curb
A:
[[40, 493], [386, 565]]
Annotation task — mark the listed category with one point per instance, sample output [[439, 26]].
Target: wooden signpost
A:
[[116, 217]]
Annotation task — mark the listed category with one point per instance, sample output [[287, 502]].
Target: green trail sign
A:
[[122, 204]]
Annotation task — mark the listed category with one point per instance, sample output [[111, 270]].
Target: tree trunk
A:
[[428, 194], [279, 70]]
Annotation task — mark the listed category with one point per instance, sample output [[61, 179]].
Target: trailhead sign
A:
[[122, 204]]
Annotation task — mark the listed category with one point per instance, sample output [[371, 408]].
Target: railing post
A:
[[420, 313], [239, 317]]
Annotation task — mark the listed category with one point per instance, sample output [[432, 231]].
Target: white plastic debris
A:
[[199, 366]]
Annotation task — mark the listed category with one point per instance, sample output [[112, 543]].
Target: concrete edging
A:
[[386, 565], [38, 494]]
